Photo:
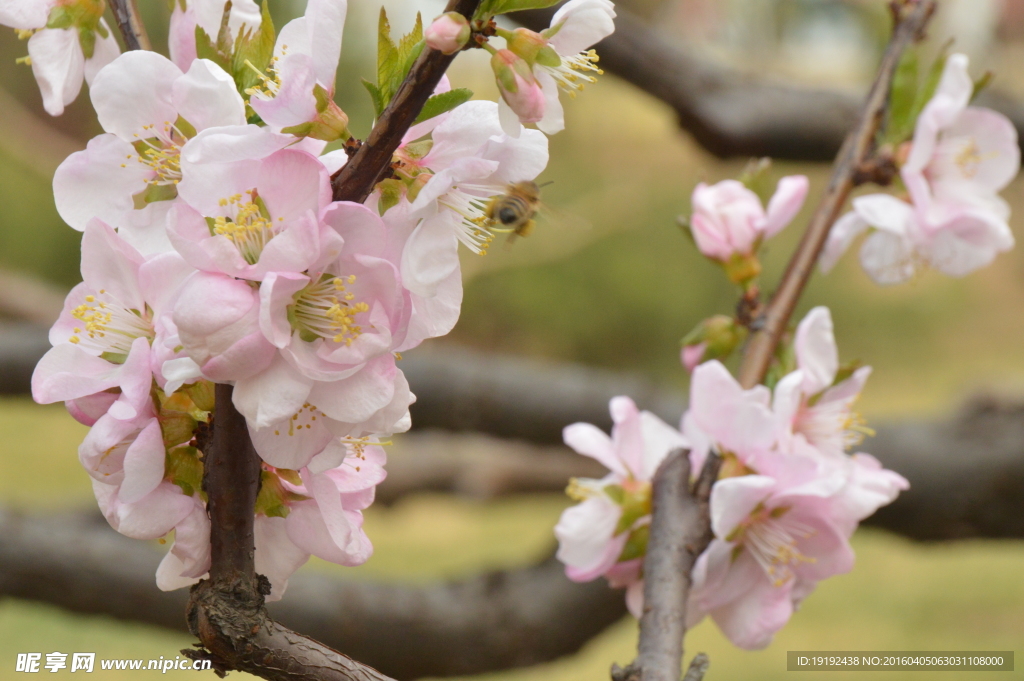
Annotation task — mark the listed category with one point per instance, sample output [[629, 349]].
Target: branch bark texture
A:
[[858, 148], [226, 612], [129, 22], [680, 531]]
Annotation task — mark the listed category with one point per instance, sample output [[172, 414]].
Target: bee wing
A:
[[558, 218]]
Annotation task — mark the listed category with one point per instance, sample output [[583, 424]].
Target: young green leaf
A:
[[503, 6], [253, 52], [902, 96], [387, 58], [443, 103], [376, 96]]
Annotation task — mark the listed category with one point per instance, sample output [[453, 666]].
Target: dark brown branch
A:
[[126, 12], [357, 178], [730, 113], [858, 148], [226, 612], [680, 531]]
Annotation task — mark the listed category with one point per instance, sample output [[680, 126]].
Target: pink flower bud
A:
[[728, 219], [448, 34], [692, 355], [518, 87]]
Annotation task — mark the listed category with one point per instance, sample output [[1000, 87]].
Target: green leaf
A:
[[503, 6], [981, 84], [391, 191], [87, 40], [59, 18], [756, 178], [394, 60], [443, 103], [902, 97], [376, 96], [636, 544], [159, 192], [253, 51], [387, 58], [205, 49], [931, 83]]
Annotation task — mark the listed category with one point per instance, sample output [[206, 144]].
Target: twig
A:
[[226, 612], [698, 667], [357, 178], [680, 531], [858, 148], [126, 12]]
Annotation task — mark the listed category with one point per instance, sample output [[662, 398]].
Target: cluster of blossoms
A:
[[213, 252], [787, 500], [788, 496], [952, 217]]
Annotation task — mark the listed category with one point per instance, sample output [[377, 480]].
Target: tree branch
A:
[[859, 146], [126, 12], [357, 178], [483, 623], [680, 531], [730, 113], [226, 612]]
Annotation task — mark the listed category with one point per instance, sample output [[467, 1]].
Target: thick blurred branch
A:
[[966, 470], [730, 113], [857, 151], [488, 622]]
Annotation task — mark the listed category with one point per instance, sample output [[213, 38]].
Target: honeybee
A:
[[515, 210]]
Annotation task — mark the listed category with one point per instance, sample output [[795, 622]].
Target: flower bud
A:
[[518, 87], [714, 338], [527, 44], [448, 34], [729, 220]]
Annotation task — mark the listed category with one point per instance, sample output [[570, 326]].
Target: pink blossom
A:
[[317, 512], [149, 109], [472, 160], [903, 239], [565, 65], [265, 214], [773, 542], [955, 222], [207, 15], [808, 401], [519, 89], [594, 534], [961, 155], [728, 219], [217, 318], [305, 56], [69, 41], [102, 339], [722, 416]]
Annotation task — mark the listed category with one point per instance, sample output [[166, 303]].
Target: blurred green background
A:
[[609, 281]]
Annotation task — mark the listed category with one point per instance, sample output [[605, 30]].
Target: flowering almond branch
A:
[[855, 154], [226, 611], [680, 531], [357, 178]]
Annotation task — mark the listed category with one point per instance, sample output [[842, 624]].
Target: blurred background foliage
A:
[[609, 280]]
